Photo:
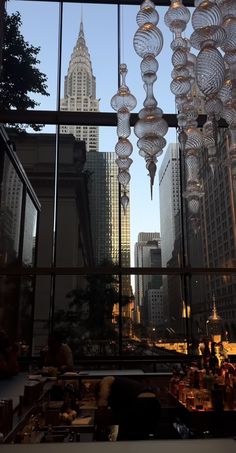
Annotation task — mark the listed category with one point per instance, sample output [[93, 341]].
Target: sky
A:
[[40, 28]]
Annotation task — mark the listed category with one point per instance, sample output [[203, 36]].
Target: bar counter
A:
[[153, 446]]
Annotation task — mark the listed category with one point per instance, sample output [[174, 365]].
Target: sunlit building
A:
[[147, 253], [103, 193], [80, 93]]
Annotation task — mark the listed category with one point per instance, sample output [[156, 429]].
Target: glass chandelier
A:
[[151, 127], [228, 91], [123, 102], [183, 87], [208, 35]]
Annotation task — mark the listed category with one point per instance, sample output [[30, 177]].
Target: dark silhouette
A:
[[134, 405], [8, 356], [58, 354]]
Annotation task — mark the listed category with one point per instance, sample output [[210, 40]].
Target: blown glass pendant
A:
[[123, 102], [208, 35], [151, 127], [184, 89]]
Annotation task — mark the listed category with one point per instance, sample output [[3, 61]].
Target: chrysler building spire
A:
[[80, 91]]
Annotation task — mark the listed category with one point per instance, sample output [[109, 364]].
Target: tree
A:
[[89, 314], [20, 76]]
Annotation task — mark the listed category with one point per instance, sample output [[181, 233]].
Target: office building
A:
[[147, 253], [80, 93]]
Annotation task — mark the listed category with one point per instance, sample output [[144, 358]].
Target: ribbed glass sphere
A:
[[148, 39], [179, 58], [124, 164], [180, 71], [123, 100], [150, 126], [213, 106], [194, 139], [225, 93], [177, 17], [210, 70], [124, 177], [206, 15], [179, 43], [230, 57], [228, 8], [152, 146], [123, 148], [149, 65], [148, 14], [180, 86], [215, 35], [229, 113], [153, 112], [229, 43]]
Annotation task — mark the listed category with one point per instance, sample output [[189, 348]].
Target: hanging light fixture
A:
[[208, 35], [123, 102], [151, 127], [228, 91], [183, 87]]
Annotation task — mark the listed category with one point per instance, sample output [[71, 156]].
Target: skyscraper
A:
[[147, 253], [169, 190], [103, 192], [169, 185], [80, 93]]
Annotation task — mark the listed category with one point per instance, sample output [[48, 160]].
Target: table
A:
[[99, 373], [154, 446]]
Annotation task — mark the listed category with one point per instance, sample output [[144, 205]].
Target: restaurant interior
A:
[[107, 340]]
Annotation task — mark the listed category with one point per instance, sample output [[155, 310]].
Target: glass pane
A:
[[38, 89], [36, 152], [215, 237], [11, 195], [88, 207], [159, 311], [30, 233], [213, 311], [42, 308], [85, 313]]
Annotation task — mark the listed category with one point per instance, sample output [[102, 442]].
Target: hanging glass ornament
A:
[[151, 127], [208, 35], [182, 86], [123, 102], [228, 91]]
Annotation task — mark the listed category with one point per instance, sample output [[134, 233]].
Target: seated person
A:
[[134, 406], [58, 354], [8, 357]]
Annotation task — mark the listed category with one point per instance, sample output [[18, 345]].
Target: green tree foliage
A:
[[90, 310], [20, 76]]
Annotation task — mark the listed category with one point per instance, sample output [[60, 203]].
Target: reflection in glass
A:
[[29, 241], [85, 312], [37, 153], [10, 209]]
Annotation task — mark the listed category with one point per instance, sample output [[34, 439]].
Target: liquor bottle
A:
[[228, 393]]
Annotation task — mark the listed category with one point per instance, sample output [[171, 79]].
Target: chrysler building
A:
[[80, 93]]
